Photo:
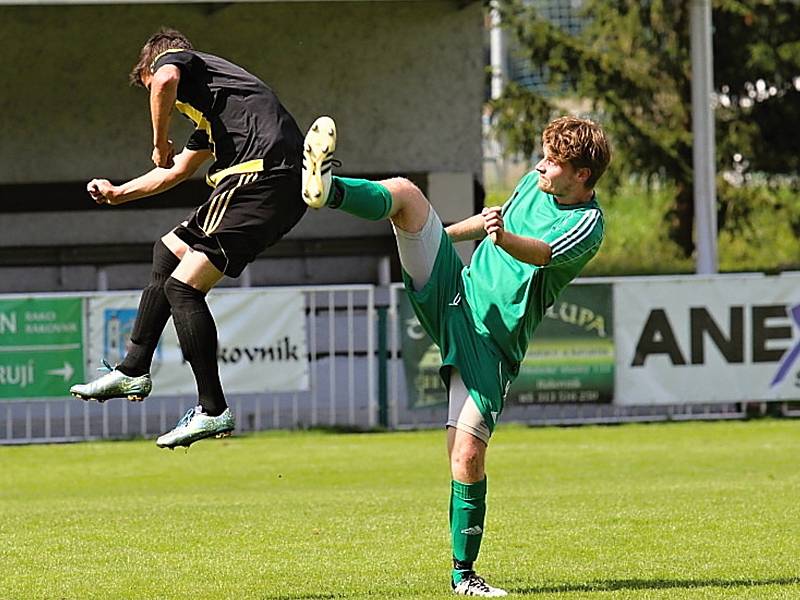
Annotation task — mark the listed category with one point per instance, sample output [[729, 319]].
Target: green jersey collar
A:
[[591, 203]]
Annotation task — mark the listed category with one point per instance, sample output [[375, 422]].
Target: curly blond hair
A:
[[581, 143]]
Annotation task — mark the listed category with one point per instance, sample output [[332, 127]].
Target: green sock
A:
[[467, 511], [361, 197]]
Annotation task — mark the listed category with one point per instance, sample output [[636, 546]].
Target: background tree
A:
[[631, 63]]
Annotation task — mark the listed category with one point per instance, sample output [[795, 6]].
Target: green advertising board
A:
[[421, 360], [41, 346], [570, 358]]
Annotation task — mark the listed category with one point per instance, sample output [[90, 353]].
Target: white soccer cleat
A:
[[473, 585], [114, 384], [196, 425], [318, 149]]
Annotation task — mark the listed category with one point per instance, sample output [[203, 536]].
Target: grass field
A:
[[672, 511]]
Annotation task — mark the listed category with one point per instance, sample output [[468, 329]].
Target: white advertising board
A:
[[703, 340], [262, 341]]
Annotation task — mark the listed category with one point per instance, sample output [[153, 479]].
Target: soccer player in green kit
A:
[[483, 315]]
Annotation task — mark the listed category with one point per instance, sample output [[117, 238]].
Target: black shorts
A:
[[244, 214]]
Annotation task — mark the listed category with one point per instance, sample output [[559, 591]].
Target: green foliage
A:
[[757, 61], [656, 512], [516, 114], [631, 64], [636, 240], [759, 228], [630, 61]]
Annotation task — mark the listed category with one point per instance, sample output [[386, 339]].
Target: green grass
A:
[[671, 511]]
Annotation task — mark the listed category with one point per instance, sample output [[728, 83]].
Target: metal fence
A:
[[357, 381], [341, 330], [402, 416]]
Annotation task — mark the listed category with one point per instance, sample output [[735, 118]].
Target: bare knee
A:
[[409, 205], [401, 188], [467, 463]]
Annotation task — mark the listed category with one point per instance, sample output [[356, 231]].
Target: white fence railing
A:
[[357, 378], [341, 338]]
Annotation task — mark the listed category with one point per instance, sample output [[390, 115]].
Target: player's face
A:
[[559, 178]]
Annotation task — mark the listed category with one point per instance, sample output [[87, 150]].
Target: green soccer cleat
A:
[[114, 384], [473, 585], [318, 161], [196, 425]]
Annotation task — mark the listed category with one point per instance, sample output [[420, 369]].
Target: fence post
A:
[[383, 364]]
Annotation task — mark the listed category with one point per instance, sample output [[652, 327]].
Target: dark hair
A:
[[162, 40], [579, 142]]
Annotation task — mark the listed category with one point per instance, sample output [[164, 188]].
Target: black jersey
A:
[[237, 115]]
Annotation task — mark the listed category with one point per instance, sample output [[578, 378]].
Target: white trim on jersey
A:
[[577, 234]]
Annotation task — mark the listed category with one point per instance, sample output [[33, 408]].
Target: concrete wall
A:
[[404, 80]]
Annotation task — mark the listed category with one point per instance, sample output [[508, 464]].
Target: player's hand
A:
[[102, 191], [493, 223], [163, 153]]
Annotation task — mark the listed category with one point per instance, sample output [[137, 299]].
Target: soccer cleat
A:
[[114, 384], [473, 585], [318, 148], [196, 425]]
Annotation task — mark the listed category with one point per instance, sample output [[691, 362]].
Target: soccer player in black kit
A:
[[257, 151]]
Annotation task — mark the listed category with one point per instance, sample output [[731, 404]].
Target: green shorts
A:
[[443, 312]]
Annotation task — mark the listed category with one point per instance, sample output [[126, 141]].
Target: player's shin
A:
[[467, 513], [197, 335], [152, 316], [361, 197]]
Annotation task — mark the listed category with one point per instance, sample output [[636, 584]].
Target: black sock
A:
[[152, 315], [197, 335], [461, 570], [462, 565]]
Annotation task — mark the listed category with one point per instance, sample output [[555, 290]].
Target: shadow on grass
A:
[[301, 597], [344, 429], [612, 585]]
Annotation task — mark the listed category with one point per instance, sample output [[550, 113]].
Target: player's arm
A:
[[153, 182], [468, 229], [526, 249], [163, 93], [474, 228]]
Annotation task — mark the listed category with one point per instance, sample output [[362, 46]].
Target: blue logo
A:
[[791, 356]]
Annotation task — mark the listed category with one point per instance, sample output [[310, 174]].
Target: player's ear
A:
[[583, 174]]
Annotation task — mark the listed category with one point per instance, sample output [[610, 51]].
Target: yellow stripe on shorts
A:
[[220, 204]]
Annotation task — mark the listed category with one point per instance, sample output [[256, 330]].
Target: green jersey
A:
[[508, 298]]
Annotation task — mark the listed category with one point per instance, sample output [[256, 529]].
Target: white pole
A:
[[384, 271], [246, 278], [704, 152], [497, 54], [102, 279]]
